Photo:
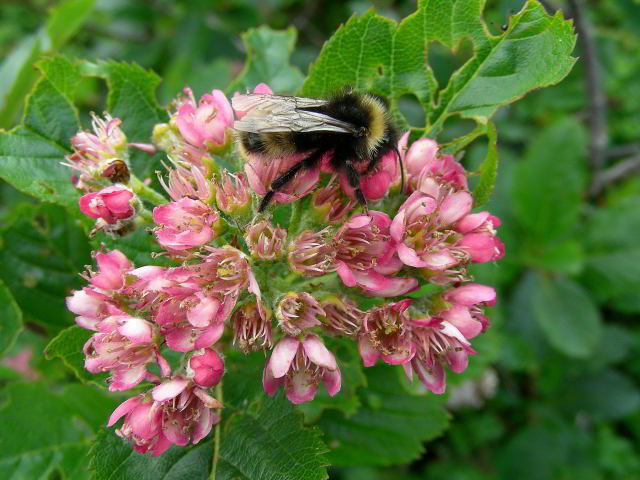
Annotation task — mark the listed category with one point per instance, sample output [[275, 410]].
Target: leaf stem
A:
[[216, 437], [145, 192]]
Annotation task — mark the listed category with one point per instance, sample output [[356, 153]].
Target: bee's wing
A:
[[274, 113]]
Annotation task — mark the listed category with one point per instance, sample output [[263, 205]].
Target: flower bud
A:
[[252, 327], [265, 241], [206, 368], [111, 204], [232, 193], [298, 311], [185, 224]]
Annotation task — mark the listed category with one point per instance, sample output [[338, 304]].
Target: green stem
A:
[[296, 216], [145, 192], [216, 437]]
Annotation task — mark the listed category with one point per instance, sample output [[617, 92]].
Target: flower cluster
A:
[[283, 287]]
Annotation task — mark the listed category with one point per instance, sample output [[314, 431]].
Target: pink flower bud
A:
[[298, 311], [187, 182], [232, 194], [421, 153], [207, 124], [111, 204], [312, 254], [341, 316], [207, 368], [252, 327]]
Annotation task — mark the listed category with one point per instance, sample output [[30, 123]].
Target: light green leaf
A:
[[67, 346], [268, 54], [17, 74], [132, 98], [389, 428], [46, 432], [30, 155], [41, 253], [567, 316], [565, 257], [488, 171], [371, 52], [10, 319], [548, 185]]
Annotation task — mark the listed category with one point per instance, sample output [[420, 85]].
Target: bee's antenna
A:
[[399, 157]]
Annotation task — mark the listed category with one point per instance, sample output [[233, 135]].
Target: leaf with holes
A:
[[11, 315], [374, 53]]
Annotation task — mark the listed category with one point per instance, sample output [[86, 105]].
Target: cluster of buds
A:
[[279, 288]]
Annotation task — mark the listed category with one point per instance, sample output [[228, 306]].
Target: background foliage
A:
[[564, 333]]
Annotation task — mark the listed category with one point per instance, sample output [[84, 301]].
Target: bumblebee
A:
[[354, 127]]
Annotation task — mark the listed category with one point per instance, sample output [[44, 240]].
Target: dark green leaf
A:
[[67, 346], [371, 52], [548, 184], [567, 316], [488, 171], [55, 430], [41, 254], [566, 257], [390, 426], [268, 54], [10, 319]]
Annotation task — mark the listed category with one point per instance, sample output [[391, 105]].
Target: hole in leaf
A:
[[444, 62], [411, 109], [455, 127]]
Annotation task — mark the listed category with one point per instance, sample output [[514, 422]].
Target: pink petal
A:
[[400, 357], [398, 286], [471, 222], [300, 387], [165, 368], [282, 356], [433, 378], [345, 273], [368, 354], [397, 226], [481, 247], [137, 330], [471, 294], [209, 336], [318, 352], [203, 425], [124, 408], [332, 381], [454, 207], [202, 314], [124, 379], [410, 257], [269, 382], [162, 445], [169, 389], [460, 318]]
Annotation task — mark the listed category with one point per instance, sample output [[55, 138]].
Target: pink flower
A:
[[112, 268], [374, 185], [299, 365], [421, 153], [341, 316], [176, 412], [385, 333], [185, 224], [480, 238], [207, 124], [252, 327], [187, 182], [206, 368], [261, 172], [467, 308], [232, 195], [260, 88], [298, 311], [265, 242], [123, 346], [331, 205], [312, 254], [437, 342], [111, 204]]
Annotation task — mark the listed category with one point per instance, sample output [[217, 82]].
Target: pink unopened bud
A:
[[421, 153], [207, 368], [111, 204]]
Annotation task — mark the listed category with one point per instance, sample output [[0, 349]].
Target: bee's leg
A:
[[287, 176], [353, 177]]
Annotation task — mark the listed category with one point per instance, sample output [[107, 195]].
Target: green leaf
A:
[[17, 75], [488, 171], [30, 155], [280, 447], [11, 319], [371, 52], [132, 98], [548, 185], [47, 434], [41, 253], [67, 346], [268, 54], [567, 316], [566, 257], [390, 427]]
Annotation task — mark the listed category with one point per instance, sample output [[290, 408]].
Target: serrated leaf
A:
[[41, 253], [268, 53], [389, 428], [10, 319], [46, 432], [567, 315], [17, 74], [371, 52], [67, 346], [132, 98], [488, 171], [30, 155], [548, 185]]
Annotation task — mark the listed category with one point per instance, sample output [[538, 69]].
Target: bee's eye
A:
[[362, 131]]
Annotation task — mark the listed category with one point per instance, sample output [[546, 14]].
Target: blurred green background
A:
[[553, 392]]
